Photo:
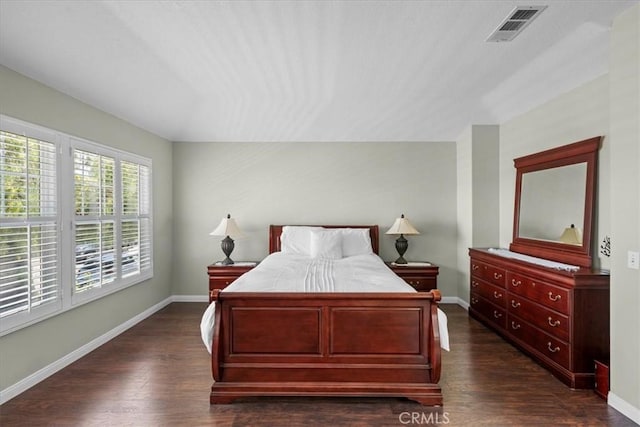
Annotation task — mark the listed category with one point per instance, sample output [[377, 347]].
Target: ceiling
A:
[[306, 70]]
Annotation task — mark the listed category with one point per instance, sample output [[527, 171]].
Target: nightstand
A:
[[423, 276], [221, 276]]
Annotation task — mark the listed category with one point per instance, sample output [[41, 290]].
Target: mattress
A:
[[280, 272]]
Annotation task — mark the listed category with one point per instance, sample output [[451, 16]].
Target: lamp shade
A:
[[227, 227], [402, 226], [571, 236]]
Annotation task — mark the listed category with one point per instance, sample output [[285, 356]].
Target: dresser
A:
[[559, 318], [422, 276], [221, 276]]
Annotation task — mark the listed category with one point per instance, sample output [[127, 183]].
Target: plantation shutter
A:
[[29, 276], [136, 218], [95, 234]]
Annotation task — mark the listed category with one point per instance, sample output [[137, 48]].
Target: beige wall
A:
[[477, 152], [579, 114], [464, 194], [312, 183], [608, 106], [30, 349], [624, 82]]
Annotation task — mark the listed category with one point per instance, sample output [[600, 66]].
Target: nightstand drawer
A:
[[422, 276], [421, 283], [221, 276], [220, 282]]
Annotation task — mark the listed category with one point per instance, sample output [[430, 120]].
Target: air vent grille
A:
[[511, 26], [515, 22], [524, 14]]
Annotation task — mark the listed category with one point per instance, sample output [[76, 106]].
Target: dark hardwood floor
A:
[[158, 374]]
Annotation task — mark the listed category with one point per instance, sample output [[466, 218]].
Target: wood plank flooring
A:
[[158, 374]]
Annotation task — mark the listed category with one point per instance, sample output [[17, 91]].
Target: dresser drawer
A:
[[546, 294], [495, 294], [547, 345], [487, 310], [549, 321], [488, 272]]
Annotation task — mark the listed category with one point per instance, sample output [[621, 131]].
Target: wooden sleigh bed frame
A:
[[326, 344]]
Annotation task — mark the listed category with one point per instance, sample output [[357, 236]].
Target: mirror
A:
[[554, 203], [550, 201]]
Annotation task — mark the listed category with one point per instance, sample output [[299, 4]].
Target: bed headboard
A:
[[276, 230]]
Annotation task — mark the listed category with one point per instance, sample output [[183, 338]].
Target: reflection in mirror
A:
[[552, 200]]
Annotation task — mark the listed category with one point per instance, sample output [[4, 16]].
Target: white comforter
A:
[[281, 272]]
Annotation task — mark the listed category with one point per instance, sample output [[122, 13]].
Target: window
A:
[[112, 219], [75, 222], [28, 224]]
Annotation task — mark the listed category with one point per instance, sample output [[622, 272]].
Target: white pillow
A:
[[356, 241], [326, 244], [296, 239]]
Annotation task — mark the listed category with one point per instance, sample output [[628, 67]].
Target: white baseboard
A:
[[44, 373], [624, 407], [190, 298], [455, 300]]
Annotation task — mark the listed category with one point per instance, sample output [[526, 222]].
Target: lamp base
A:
[[227, 247], [401, 247]]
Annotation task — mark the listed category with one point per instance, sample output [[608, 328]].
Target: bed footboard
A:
[[326, 344]]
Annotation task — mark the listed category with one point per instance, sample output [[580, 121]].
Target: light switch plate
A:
[[633, 259]]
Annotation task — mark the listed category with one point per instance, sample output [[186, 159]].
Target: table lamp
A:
[[228, 228], [402, 226]]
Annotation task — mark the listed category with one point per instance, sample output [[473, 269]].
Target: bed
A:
[[324, 336]]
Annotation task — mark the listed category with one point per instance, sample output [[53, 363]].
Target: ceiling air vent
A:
[[515, 22]]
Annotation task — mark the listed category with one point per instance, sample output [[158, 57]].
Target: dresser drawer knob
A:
[[474, 300], [474, 284], [496, 314], [515, 283], [553, 323], [497, 276], [515, 325], [554, 298], [515, 304], [552, 349], [497, 295], [474, 267]]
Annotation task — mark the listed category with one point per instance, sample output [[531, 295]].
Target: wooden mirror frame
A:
[[585, 151]]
